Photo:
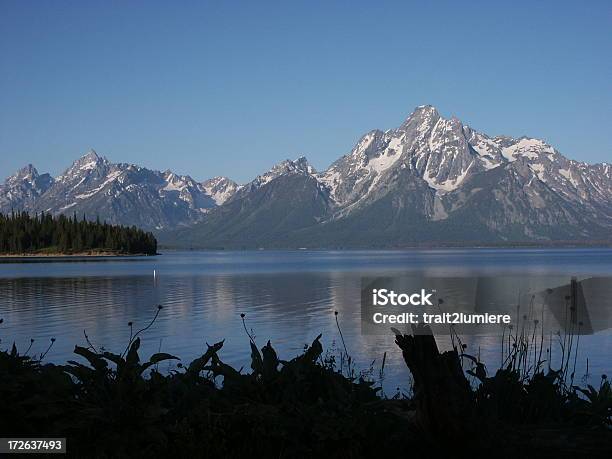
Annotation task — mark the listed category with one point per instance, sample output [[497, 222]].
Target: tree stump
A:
[[442, 394]]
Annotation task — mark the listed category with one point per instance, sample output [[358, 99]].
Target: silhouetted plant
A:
[[119, 406]]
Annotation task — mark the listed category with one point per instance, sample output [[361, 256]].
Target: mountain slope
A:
[[266, 212]]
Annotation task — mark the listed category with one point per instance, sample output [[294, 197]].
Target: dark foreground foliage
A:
[[22, 233], [115, 405], [297, 408]]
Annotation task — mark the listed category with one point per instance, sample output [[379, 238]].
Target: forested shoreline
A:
[[44, 234]]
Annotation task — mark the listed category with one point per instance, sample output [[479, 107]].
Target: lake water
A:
[[288, 297]]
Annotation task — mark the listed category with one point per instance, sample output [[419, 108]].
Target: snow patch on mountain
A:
[[220, 189], [529, 148], [111, 178]]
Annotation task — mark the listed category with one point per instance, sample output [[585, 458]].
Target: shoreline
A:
[[72, 255], [607, 245]]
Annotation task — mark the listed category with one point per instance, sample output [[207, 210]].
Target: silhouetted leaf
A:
[[132, 357], [315, 350], [198, 364], [115, 358], [94, 359], [156, 358], [270, 361], [256, 361]]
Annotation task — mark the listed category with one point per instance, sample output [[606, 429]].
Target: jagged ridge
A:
[[431, 179]]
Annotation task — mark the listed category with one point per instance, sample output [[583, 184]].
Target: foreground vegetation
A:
[[115, 405], [43, 234]]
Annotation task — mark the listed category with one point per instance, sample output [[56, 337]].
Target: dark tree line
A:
[[23, 233]]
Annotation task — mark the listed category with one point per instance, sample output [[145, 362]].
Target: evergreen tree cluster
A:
[[23, 233]]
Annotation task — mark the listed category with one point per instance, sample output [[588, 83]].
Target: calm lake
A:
[[288, 297]]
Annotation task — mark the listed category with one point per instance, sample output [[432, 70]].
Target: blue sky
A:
[[230, 88]]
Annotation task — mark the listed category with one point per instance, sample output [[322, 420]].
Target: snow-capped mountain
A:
[[118, 193], [445, 153], [24, 187], [431, 180]]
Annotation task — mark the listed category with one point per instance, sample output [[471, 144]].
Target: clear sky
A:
[[230, 88]]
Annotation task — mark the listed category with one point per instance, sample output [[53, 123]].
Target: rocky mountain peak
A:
[[422, 119], [220, 189], [27, 173], [23, 187], [289, 166], [297, 165], [90, 159], [87, 165], [425, 111]]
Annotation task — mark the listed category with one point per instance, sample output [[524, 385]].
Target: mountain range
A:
[[431, 181], [118, 193]]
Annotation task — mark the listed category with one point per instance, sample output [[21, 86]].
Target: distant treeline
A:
[[22, 233]]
